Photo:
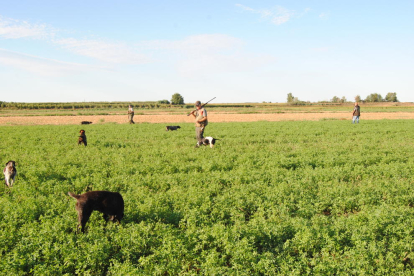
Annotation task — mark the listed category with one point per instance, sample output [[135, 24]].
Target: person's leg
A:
[[202, 133], [353, 119], [357, 119], [199, 135]]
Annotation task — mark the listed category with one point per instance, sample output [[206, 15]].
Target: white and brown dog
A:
[[207, 141], [10, 173]]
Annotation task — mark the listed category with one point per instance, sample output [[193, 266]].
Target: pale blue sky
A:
[[237, 51]]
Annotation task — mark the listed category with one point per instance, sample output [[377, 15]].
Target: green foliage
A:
[[290, 98], [177, 99], [163, 102], [335, 99], [391, 97], [76, 105], [374, 97], [272, 198], [295, 101]]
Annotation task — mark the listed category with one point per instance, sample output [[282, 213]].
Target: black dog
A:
[[86, 123], [167, 128], [109, 203], [82, 138], [10, 173]]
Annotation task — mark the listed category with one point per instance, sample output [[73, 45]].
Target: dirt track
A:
[[213, 117]]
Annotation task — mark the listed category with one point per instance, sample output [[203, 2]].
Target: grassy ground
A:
[[248, 108], [273, 198]]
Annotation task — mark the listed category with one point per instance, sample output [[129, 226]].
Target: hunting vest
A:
[[200, 114]]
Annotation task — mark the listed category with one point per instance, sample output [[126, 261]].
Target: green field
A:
[[145, 108], [272, 198]]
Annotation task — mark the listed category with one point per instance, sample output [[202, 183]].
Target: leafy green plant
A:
[[272, 198]]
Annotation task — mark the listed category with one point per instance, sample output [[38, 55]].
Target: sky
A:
[[237, 51]]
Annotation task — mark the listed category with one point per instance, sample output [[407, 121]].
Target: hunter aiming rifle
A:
[[200, 107]]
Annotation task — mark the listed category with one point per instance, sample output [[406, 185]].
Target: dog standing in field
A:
[[167, 128], [207, 141], [10, 173], [109, 203], [82, 138]]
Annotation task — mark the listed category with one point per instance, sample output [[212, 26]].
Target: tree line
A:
[[89, 105], [371, 98], [177, 100]]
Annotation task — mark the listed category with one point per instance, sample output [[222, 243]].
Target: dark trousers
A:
[[200, 133], [130, 117]]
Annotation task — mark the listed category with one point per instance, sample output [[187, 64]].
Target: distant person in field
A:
[[356, 113], [201, 121], [131, 114]]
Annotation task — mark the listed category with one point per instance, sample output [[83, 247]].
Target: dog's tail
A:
[[73, 195]]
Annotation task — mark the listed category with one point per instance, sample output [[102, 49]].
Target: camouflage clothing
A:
[[200, 114], [131, 115]]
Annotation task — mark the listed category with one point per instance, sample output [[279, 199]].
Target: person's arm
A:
[[202, 120]]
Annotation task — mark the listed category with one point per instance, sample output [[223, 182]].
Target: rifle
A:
[[201, 106]]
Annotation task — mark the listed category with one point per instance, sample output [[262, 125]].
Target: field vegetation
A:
[[272, 198], [151, 108]]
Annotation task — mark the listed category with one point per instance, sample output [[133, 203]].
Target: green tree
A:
[[290, 98], [164, 102], [177, 99], [374, 97], [342, 100], [357, 98], [335, 99], [391, 97]]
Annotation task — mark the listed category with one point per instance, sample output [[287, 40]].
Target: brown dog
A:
[[109, 203], [10, 173], [82, 138]]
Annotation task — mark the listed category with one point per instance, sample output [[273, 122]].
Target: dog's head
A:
[[11, 164], [81, 132]]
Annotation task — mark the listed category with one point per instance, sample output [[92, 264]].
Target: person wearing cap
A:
[[200, 115], [130, 114], [356, 113]]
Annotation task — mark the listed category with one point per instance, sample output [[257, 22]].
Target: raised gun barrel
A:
[[201, 106]]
